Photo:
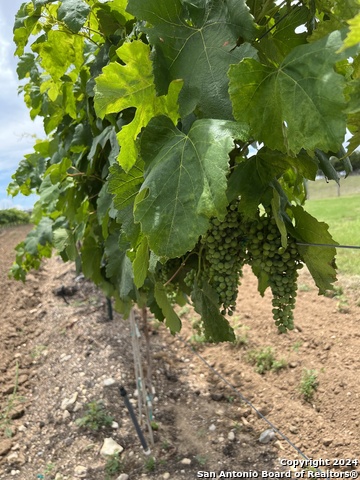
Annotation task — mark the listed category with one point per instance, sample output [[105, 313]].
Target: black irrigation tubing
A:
[[327, 245], [128, 405], [239, 394]]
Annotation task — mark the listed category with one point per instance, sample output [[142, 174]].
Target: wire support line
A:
[[357, 247], [244, 399]]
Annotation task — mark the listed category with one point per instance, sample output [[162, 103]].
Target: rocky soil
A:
[[60, 353]]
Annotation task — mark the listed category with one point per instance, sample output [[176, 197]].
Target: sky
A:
[[17, 130]]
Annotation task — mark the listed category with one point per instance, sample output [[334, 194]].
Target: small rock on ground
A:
[[123, 476], [110, 447], [267, 436]]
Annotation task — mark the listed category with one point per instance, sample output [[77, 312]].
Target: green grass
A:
[[264, 360], [309, 384], [95, 417], [320, 189], [342, 214]]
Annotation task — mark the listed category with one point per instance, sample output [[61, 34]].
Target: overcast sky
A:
[[16, 127]]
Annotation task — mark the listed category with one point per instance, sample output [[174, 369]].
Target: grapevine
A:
[[235, 241], [176, 151]]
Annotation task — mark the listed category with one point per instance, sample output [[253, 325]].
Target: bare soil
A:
[[53, 348]]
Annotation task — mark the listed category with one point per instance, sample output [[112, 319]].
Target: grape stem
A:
[[177, 271]]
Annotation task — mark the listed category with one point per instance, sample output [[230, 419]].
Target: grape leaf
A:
[[284, 37], [38, 3], [61, 239], [25, 21], [268, 98], [185, 181], [202, 33], [216, 327], [40, 236], [278, 210], [172, 321], [354, 127], [132, 85], [251, 178], [91, 257], [125, 186], [58, 52], [105, 209], [99, 142], [118, 266], [141, 263], [25, 65], [119, 6], [319, 260], [353, 36], [73, 13], [327, 167]]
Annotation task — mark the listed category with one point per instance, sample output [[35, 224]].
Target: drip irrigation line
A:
[[327, 245], [128, 405], [239, 394]]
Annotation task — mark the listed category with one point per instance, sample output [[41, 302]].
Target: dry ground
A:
[[53, 350]]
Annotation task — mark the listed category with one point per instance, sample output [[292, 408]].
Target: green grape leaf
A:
[[61, 239], [38, 3], [125, 186], [74, 14], [319, 260], [130, 230], [58, 172], [353, 37], [172, 321], [347, 166], [91, 257], [268, 98], [104, 205], [40, 236], [278, 210], [26, 64], [206, 32], [119, 6], [327, 167], [82, 138], [118, 266], [141, 263], [28, 174], [25, 23], [216, 327], [132, 85], [99, 143], [252, 177], [284, 37], [122, 305], [49, 195], [354, 127], [58, 51], [185, 181]]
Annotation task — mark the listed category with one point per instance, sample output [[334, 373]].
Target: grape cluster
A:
[[190, 278], [265, 253], [234, 241], [223, 257]]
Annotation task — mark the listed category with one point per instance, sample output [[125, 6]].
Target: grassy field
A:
[[342, 214], [322, 189]]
